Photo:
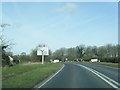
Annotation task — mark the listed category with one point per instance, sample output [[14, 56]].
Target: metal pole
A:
[[42, 57]]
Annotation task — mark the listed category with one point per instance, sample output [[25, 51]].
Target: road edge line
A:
[[99, 75], [49, 78]]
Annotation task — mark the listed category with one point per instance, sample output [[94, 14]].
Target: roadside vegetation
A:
[[104, 63], [107, 53], [26, 76]]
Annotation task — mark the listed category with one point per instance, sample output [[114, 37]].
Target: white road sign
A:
[[42, 51]]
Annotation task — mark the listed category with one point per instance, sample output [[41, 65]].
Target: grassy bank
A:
[[26, 76], [104, 63]]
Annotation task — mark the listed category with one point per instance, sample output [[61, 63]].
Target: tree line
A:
[[107, 53]]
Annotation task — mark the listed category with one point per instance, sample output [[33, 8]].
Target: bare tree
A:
[[4, 43], [2, 39]]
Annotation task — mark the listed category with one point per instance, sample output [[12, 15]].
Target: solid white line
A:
[[108, 78], [103, 77], [51, 77]]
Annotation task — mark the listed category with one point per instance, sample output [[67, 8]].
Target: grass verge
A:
[[28, 76], [105, 63]]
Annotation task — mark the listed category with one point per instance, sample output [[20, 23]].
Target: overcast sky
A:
[[60, 24]]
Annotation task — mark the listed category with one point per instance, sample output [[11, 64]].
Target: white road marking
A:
[[52, 77], [111, 82]]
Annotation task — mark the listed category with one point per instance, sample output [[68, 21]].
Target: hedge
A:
[[105, 59], [110, 59]]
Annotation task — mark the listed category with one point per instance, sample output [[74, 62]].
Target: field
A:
[[26, 76]]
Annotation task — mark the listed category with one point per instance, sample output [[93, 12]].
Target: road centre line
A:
[[51, 77], [111, 82]]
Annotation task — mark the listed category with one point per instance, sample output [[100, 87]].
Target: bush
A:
[[104, 59], [87, 59], [22, 58], [110, 59]]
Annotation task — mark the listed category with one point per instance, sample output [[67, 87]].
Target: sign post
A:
[[42, 51], [42, 56]]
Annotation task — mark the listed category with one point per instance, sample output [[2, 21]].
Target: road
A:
[[81, 75]]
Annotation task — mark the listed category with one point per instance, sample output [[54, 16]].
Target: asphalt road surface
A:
[[81, 75]]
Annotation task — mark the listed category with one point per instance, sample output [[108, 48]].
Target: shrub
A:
[[110, 59]]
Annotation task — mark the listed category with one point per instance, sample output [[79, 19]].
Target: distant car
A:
[[94, 60], [55, 61]]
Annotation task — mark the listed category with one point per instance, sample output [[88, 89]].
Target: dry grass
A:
[[31, 63]]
